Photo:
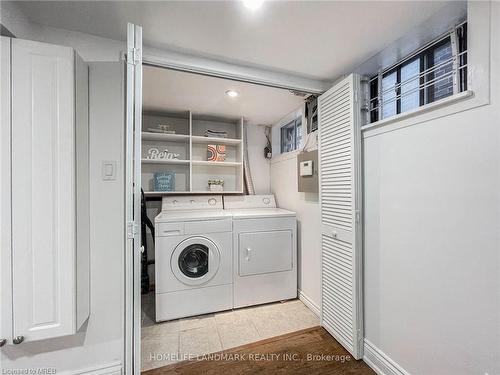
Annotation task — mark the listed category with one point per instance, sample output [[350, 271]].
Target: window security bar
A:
[[430, 70], [434, 71], [417, 89]]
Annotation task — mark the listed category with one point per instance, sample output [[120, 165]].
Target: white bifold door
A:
[[133, 199], [340, 191]]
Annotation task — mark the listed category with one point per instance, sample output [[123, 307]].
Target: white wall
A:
[[284, 185], [432, 238], [100, 342]]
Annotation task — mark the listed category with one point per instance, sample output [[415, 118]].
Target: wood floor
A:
[[309, 351]]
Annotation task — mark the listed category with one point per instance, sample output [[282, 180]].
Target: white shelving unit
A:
[[192, 169]]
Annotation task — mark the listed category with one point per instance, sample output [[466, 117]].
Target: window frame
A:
[[297, 126]]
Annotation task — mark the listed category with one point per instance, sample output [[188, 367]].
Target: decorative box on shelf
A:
[[164, 181], [216, 185], [216, 152]]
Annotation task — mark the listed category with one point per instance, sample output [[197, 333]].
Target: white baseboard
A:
[[380, 362], [309, 303], [114, 368]]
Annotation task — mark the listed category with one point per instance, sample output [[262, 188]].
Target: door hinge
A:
[[134, 56], [132, 230], [356, 96], [357, 215]]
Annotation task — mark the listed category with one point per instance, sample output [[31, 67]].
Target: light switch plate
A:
[[109, 170]]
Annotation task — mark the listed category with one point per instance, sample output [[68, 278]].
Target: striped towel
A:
[[215, 133]]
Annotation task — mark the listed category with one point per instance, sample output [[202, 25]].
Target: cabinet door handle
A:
[[3, 342], [248, 254], [18, 339]]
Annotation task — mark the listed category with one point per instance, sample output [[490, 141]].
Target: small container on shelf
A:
[[216, 185], [164, 181]]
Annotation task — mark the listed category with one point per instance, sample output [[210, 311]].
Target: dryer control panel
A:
[[249, 201]]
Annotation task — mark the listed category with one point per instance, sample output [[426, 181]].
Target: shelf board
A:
[[217, 163], [216, 192], [150, 136], [216, 140], [165, 161], [162, 193]]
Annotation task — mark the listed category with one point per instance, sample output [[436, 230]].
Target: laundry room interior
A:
[[205, 141], [249, 186]]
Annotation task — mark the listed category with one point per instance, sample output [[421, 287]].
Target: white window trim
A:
[[420, 110], [478, 93], [276, 133]]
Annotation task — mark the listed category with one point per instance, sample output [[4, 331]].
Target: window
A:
[[291, 135], [428, 75]]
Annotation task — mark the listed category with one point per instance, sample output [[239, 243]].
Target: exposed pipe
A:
[[247, 175]]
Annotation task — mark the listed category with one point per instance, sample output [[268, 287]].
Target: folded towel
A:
[[215, 133]]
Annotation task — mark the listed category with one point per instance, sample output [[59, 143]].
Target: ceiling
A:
[[314, 39], [166, 90]]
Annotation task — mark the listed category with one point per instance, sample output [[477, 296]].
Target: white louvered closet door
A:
[[340, 188]]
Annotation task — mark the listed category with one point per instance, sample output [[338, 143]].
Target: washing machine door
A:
[[195, 261]]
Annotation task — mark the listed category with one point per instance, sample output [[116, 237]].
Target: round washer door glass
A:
[[193, 260]]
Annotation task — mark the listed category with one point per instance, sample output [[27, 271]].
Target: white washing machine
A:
[[193, 257], [264, 248]]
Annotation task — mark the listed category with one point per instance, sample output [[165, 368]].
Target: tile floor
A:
[[169, 342]]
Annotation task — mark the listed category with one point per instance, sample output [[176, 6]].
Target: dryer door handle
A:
[[248, 254]]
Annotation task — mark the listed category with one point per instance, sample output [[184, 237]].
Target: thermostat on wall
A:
[[307, 171], [306, 168]]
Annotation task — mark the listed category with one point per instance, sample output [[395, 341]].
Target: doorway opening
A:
[[205, 277]]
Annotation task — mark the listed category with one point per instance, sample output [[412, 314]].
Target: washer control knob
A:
[[18, 339], [212, 201], [266, 200]]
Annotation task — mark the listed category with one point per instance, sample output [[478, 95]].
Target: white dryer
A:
[[264, 248], [193, 257]]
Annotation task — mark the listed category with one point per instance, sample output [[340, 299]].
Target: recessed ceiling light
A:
[[232, 93], [253, 4]]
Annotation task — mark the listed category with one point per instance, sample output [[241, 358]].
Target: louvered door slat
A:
[[339, 150]]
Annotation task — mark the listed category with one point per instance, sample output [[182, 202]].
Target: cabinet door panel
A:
[[43, 196]]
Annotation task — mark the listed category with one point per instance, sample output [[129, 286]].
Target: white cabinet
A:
[[47, 210]]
